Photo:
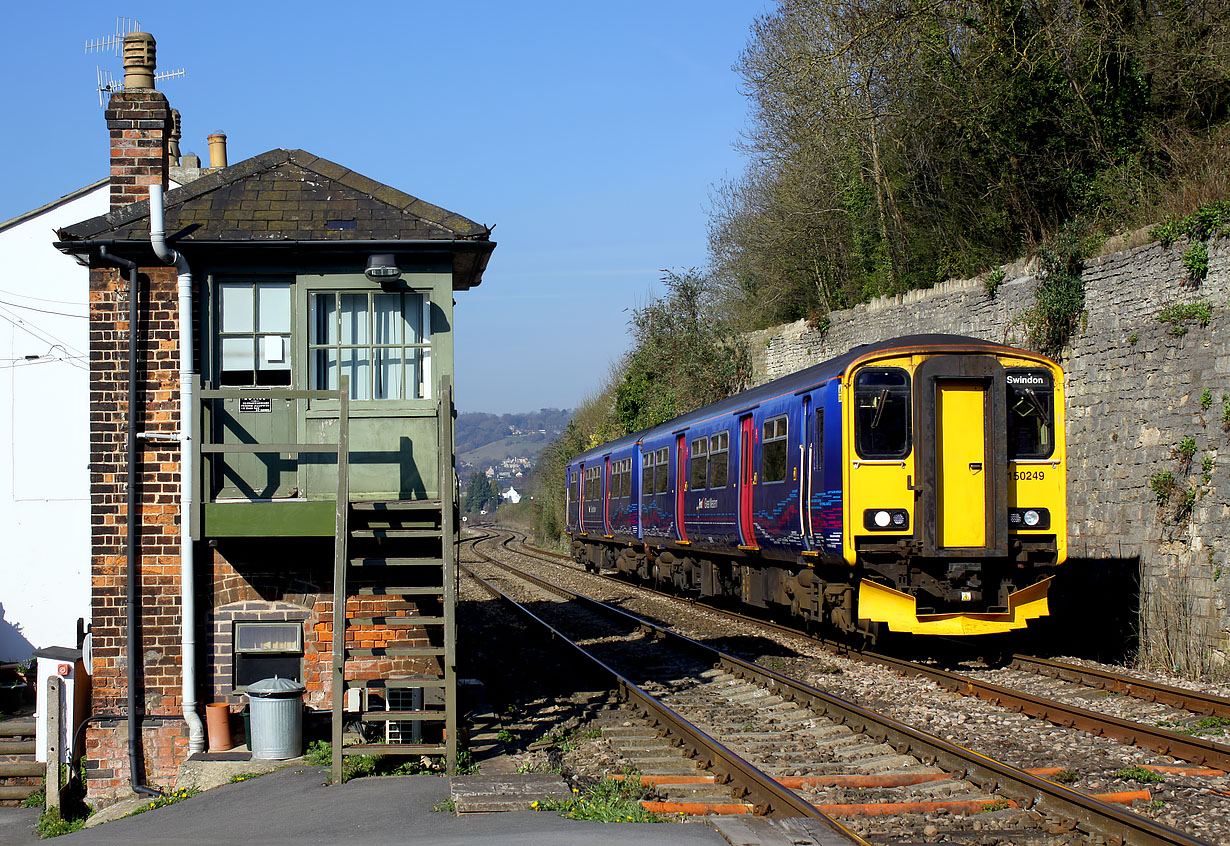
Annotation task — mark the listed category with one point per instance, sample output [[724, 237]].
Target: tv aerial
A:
[[114, 43]]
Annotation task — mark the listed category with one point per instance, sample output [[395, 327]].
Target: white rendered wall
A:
[[44, 432]]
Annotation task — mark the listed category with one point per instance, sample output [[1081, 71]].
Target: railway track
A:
[[818, 744], [1199, 751]]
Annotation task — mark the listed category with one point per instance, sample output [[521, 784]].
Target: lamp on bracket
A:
[[382, 268]]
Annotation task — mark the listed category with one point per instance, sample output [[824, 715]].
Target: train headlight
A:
[[886, 519], [1029, 518]]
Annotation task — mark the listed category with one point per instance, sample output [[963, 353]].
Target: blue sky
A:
[[590, 135]]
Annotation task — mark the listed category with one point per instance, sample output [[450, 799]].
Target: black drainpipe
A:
[[132, 540]]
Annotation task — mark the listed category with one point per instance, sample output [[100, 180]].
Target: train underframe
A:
[[904, 591]]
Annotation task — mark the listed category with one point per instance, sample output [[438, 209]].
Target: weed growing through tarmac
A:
[[51, 824], [445, 805], [178, 795], [1140, 774], [238, 777], [608, 800]]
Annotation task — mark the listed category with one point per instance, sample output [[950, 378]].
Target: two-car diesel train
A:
[[913, 485]]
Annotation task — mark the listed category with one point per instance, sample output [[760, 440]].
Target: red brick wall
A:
[[158, 533]]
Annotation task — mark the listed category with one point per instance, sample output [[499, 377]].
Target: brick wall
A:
[[1133, 392], [139, 121], [158, 534]]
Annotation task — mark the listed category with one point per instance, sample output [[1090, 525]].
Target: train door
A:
[[582, 490], [961, 464], [805, 480], [747, 479], [606, 497], [681, 484]]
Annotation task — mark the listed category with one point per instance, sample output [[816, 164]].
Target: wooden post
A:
[[52, 711]]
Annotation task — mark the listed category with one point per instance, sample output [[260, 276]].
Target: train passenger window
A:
[[1031, 413], [662, 475], [700, 464], [817, 461], [719, 459], [613, 487], [646, 473], [773, 451], [882, 413]]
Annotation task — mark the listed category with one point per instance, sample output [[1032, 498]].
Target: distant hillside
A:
[[487, 440]]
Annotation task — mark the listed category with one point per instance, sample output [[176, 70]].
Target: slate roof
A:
[[281, 196], [285, 194]]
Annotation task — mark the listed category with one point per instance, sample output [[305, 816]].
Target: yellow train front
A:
[[954, 470], [914, 485]]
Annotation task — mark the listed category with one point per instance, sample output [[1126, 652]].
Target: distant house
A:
[[511, 495]]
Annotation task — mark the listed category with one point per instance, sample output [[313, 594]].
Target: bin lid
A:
[[276, 688]]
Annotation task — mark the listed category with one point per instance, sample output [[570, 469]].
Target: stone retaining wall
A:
[[1134, 392]]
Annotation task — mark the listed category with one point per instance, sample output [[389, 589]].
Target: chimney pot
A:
[[139, 60], [217, 150], [173, 140]]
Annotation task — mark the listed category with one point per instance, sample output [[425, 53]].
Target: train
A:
[[915, 485]]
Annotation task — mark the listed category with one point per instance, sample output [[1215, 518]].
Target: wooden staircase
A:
[[20, 775], [394, 648]]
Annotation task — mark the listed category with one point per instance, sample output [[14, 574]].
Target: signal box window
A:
[[380, 339], [700, 464], [254, 333], [265, 650], [1031, 414], [773, 451], [882, 413], [719, 459]]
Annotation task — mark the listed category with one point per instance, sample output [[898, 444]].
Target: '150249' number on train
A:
[[1028, 475]]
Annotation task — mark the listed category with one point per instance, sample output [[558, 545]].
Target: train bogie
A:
[[917, 485]]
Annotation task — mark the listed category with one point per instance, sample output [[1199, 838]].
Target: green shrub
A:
[[1179, 315], [609, 800], [1196, 260], [1206, 399], [1140, 774], [1162, 484], [993, 281]]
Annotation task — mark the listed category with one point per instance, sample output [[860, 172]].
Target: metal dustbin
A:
[[277, 718]]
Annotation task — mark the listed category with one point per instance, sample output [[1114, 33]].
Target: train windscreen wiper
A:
[[882, 401]]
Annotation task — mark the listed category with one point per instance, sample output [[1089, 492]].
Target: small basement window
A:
[[265, 650]]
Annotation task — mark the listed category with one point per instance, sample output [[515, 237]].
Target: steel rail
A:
[[1196, 701], [768, 797], [1112, 822], [1195, 750]]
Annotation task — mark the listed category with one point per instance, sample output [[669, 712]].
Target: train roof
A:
[[809, 376]]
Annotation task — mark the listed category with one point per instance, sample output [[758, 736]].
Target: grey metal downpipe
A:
[[131, 538], [187, 470]]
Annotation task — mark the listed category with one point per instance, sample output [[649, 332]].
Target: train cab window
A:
[[882, 413], [700, 464], [1031, 413], [719, 459], [773, 451], [662, 474]]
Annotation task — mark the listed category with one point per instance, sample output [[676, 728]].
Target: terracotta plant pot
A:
[[218, 721]]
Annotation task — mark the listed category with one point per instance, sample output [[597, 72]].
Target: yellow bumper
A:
[[899, 611]]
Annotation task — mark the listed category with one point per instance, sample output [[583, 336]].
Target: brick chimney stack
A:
[[139, 120]]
